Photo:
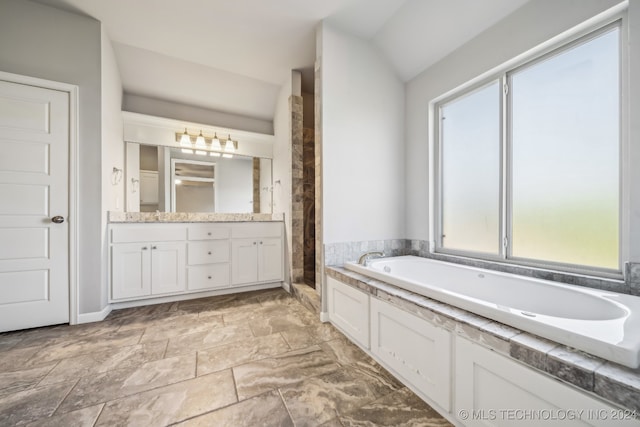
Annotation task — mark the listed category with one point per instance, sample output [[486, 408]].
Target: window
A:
[[529, 162]]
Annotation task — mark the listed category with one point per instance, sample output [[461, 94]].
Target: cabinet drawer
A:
[[208, 276], [208, 252], [208, 232], [148, 234], [258, 229]]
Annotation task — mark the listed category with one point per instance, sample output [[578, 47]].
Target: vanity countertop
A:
[[158, 217]]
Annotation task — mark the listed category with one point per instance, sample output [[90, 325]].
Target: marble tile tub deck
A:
[[251, 359], [613, 382]]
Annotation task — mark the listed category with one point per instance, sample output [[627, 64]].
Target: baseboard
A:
[[117, 305], [96, 316], [324, 316]]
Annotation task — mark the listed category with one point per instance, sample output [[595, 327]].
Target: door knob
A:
[[57, 219]]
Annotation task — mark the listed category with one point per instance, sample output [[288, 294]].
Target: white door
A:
[[34, 242]]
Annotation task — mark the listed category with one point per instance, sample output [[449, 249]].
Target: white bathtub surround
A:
[[608, 380], [191, 217], [602, 323]]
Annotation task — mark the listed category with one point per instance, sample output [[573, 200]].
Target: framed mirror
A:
[[168, 179]]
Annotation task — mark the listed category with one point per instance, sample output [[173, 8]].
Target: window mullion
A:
[[504, 169]]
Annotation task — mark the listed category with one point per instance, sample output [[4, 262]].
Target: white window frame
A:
[[615, 17]]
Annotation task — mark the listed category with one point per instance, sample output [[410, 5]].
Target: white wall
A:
[[40, 41], [113, 197], [362, 141], [536, 22], [282, 177]]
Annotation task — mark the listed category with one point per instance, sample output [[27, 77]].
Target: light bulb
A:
[[200, 140], [215, 143], [185, 139], [229, 147]]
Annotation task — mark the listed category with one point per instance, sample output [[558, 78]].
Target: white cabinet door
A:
[[270, 265], [415, 349], [167, 267], [130, 270], [492, 390], [349, 310], [244, 261]]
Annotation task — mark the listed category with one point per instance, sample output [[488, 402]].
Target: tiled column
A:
[[318, 172], [297, 191], [256, 185]]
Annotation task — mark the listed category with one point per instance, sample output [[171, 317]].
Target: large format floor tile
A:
[[252, 359]]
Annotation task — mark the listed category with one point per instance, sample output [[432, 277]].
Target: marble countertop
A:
[[136, 217], [607, 380]]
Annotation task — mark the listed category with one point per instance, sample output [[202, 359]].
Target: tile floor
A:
[[252, 359]]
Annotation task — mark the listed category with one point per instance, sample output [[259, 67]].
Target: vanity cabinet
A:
[[416, 350], [257, 254], [349, 310], [147, 268], [169, 259]]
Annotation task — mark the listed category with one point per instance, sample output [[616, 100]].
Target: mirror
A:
[[169, 179]]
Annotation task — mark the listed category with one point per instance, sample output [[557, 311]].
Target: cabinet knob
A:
[[260, 242], [144, 248], [209, 252], [209, 277], [154, 247], [254, 243], [209, 234]]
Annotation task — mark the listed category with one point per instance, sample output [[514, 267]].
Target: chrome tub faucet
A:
[[367, 255]]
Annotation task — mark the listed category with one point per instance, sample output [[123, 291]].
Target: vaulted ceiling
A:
[[233, 55]]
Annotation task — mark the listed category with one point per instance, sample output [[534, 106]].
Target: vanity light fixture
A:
[[215, 143], [203, 145], [200, 140], [185, 139], [229, 146]]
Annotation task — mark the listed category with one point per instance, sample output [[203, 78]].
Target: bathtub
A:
[[602, 323]]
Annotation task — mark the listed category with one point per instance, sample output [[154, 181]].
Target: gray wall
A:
[[161, 108], [43, 42]]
